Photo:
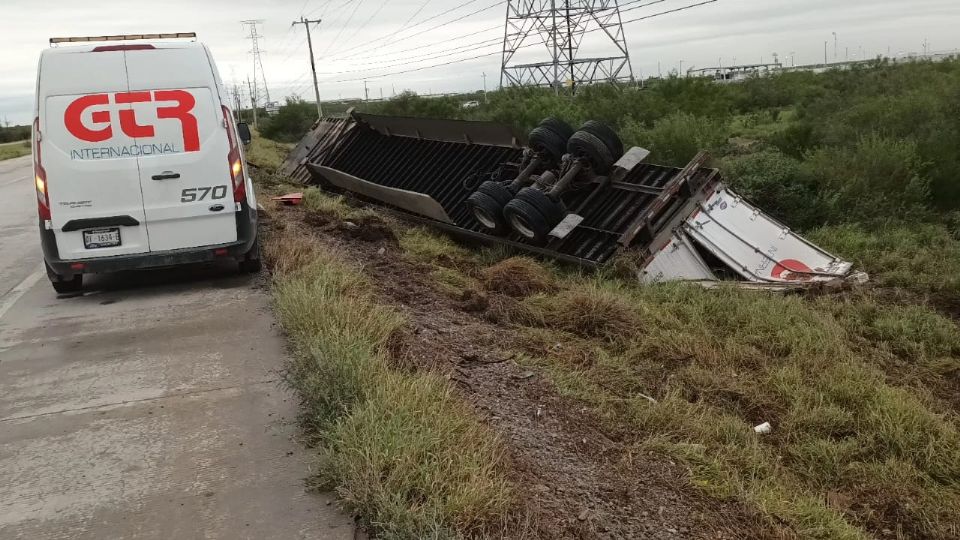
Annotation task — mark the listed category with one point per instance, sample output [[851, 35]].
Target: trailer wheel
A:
[[527, 221], [557, 126], [496, 191], [488, 212], [551, 210], [546, 141], [586, 145], [605, 134]]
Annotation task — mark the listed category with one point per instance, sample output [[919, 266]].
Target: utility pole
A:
[[834, 46], [255, 50], [824, 54], [485, 100], [366, 91], [313, 65], [253, 101]]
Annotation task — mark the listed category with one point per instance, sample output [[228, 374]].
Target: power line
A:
[[670, 11], [404, 38], [458, 38], [343, 27], [430, 56], [451, 62], [366, 22], [489, 29]]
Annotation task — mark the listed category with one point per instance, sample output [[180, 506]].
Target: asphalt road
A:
[[148, 407]]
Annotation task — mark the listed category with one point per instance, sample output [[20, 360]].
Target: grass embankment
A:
[[266, 154], [400, 449], [14, 149], [865, 437]]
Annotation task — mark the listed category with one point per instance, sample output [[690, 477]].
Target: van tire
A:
[[251, 263], [65, 286]]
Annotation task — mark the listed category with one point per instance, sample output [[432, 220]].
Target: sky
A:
[[376, 40]]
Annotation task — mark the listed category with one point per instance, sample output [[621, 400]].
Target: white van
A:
[[137, 158]]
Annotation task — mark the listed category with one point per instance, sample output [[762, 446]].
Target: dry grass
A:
[[14, 150], [323, 208], [266, 154], [587, 311], [853, 452], [426, 246], [517, 277], [400, 449]]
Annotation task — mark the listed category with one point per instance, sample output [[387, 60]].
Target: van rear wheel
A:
[[64, 286], [251, 263]]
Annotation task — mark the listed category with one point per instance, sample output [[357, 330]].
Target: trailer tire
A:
[[527, 221], [605, 134], [497, 191], [545, 141], [488, 212], [584, 144], [552, 211], [558, 126]]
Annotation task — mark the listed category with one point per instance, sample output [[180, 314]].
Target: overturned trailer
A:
[[572, 195]]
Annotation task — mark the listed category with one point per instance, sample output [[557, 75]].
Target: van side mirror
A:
[[243, 129]]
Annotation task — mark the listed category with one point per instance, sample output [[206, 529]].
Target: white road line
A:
[[14, 181], [15, 293]]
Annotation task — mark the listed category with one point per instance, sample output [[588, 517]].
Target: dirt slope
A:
[[575, 481]]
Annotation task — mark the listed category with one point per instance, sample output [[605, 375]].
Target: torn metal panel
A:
[[314, 147], [457, 131], [756, 246], [411, 201], [678, 260]]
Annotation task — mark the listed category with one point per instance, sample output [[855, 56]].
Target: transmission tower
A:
[[257, 60], [560, 26]]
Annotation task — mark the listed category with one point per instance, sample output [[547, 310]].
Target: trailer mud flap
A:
[[411, 201]]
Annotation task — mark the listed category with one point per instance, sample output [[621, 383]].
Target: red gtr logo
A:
[[102, 128]]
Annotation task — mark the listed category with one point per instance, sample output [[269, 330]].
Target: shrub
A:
[[778, 184], [676, 139], [880, 178], [291, 123]]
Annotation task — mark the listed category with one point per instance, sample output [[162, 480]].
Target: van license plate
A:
[[101, 238]]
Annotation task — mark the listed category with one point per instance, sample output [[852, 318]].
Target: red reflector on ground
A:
[[78, 266], [220, 252], [290, 199]]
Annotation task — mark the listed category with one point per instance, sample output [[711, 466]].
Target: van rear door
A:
[[184, 166], [93, 182]]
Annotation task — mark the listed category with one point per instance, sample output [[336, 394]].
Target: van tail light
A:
[[40, 175], [234, 159]]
